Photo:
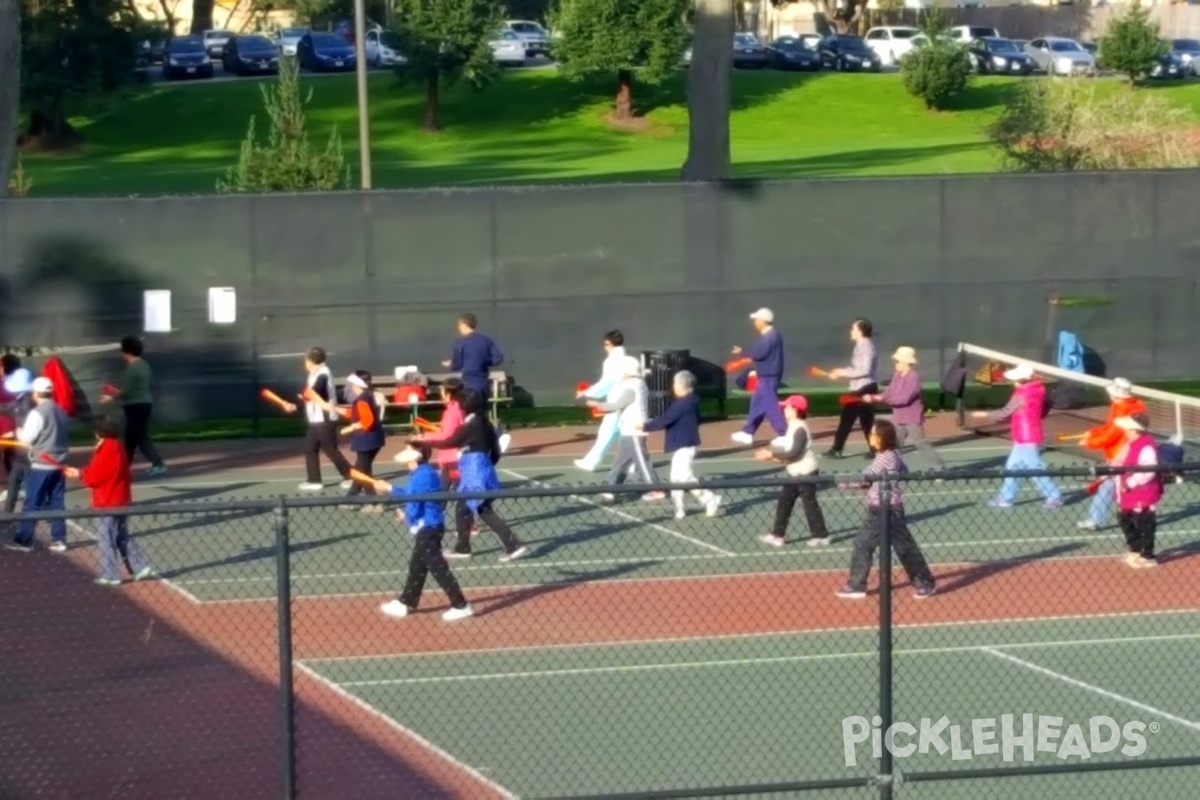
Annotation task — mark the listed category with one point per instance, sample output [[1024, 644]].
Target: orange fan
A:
[[361, 477], [849, 399], [110, 390], [583, 386], [1094, 486], [423, 424], [1063, 437], [817, 372], [271, 397], [738, 364]]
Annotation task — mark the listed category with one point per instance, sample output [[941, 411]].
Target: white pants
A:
[[604, 440], [682, 472]]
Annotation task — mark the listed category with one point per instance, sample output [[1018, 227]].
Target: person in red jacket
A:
[[109, 478]]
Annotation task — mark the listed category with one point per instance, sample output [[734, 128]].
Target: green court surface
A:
[[543, 722], [230, 556]]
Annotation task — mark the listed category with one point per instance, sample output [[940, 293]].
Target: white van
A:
[[965, 34]]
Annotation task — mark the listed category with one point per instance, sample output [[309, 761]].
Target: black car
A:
[[1170, 67], [793, 52], [325, 52], [999, 56], [186, 57], [250, 55], [844, 52], [748, 52], [1188, 52]]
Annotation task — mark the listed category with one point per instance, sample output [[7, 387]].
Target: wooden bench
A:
[[500, 396]]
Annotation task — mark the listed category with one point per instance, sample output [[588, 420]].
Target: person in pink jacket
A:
[[1138, 493], [452, 420], [1025, 410]]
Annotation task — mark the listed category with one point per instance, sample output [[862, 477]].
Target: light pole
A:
[[364, 113]]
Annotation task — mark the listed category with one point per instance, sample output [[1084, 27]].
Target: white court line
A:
[[772, 660], [406, 732], [628, 517], [651, 560], [184, 593], [911, 626], [1067, 679]]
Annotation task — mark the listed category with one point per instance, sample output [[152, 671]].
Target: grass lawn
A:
[[534, 126]]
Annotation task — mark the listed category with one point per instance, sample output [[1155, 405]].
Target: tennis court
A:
[[632, 651]]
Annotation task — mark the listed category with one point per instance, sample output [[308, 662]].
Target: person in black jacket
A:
[[366, 433], [479, 446], [795, 452], [681, 421]]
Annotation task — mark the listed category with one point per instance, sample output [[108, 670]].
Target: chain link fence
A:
[[995, 651]]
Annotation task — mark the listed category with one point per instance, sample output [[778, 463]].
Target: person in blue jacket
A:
[[426, 520], [475, 356], [681, 422]]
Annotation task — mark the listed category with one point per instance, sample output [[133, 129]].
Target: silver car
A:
[[536, 38], [289, 39], [1056, 55]]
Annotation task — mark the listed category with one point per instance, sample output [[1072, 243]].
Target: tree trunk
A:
[[49, 129], [10, 86], [432, 100], [624, 103], [708, 78], [202, 16]]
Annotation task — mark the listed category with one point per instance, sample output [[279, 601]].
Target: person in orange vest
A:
[[1110, 439]]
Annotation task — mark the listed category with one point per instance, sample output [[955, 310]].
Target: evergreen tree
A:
[[1131, 44]]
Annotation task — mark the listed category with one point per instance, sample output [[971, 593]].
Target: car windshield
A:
[[525, 27], [1061, 46], [328, 40], [293, 33], [186, 46], [904, 33], [507, 36], [982, 32], [789, 44], [1001, 46], [745, 39], [255, 43], [1186, 44], [850, 42], [218, 35]]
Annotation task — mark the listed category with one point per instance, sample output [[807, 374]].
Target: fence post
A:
[[885, 633], [283, 595]]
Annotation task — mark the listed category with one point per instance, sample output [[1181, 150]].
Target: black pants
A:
[[322, 438], [427, 559], [364, 461], [862, 413], [908, 553], [1139, 528], [807, 494], [137, 433], [463, 517], [17, 471]]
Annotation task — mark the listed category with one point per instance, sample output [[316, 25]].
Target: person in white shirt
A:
[[630, 405], [605, 389], [320, 411]]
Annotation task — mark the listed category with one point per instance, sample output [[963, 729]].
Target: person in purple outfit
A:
[[903, 394], [767, 354]]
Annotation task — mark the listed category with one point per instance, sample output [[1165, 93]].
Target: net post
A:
[[885, 633], [960, 403], [283, 598], [1179, 421]]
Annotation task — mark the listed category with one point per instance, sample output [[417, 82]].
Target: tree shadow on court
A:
[[177, 495], [198, 522], [1179, 552], [491, 604], [934, 513], [962, 578], [263, 554], [583, 535]]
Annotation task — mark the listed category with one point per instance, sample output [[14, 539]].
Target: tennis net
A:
[[1080, 401]]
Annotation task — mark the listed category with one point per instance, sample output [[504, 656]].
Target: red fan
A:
[[1094, 486], [817, 372], [583, 386], [738, 364], [849, 399]]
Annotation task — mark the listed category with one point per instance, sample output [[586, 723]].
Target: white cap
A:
[[1128, 424], [1120, 388], [1021, 372], [354, 380], [764, 314], [408, 455], [43, 386]]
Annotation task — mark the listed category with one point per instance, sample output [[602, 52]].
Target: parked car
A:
[[536, 38], [1000, 56], [891, 42], [250, 55], [186, 57], [508, 49], [921, 40], [965, 34], [749, 52], [325, 52], [214, 42], [1021, 43], [1188, 52], [1169, 67], [1060, 56], [795, 52], [383, 48], [150, 51], [842, 51], [289, 40]]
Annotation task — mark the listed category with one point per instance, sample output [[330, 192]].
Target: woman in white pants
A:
[[607, 388], [681, 422]]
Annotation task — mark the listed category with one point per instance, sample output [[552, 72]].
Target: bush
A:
[[1059, 126], [19, 182], [936, 72], [1131, 44], [286, 162]]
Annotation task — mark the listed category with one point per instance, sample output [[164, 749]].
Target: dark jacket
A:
[[681, 421]]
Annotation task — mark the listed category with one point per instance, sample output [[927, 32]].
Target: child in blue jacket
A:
[[426, 520]]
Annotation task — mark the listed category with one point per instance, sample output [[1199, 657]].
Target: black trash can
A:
[[661, 364]]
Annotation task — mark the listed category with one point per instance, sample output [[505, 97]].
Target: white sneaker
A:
[[520, 552], [394, 608], [455, 555], [346, 484], [774, 541], [458, 613], [504, 441], [311, 487], [606, 497], [741, 437], [586, 466], [680, 513], [712, 506], [818, 541], [58, 547]]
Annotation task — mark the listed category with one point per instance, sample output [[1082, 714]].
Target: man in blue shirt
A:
[[475, 356], [767, 354], [426, 520]]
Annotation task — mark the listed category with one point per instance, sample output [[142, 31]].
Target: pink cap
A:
[[796, 401]]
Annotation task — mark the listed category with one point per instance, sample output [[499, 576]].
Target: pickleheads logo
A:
[[1028, 735]]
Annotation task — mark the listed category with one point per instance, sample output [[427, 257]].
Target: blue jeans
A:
[[1103, 501], [45, 490], [116, 545], [1027, 456]]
